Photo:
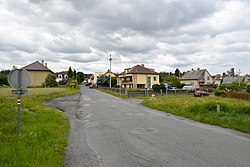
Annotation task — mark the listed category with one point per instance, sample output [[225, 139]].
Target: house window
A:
[[154, 78], [208, 77]]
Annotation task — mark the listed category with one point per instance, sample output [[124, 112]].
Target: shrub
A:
[[219, 92], [50, 81]]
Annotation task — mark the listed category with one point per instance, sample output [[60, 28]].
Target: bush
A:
[[50, 81], [72, 83], [248, 89], [219, 92]]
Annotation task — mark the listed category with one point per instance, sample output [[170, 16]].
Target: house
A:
[[197, 78], [138, 77], [230, 80], [38, 72], [247, 79], [108, 73], [218, 79], [93, 78], [60, 76]]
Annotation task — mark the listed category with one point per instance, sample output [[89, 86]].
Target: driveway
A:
[[106, 131]]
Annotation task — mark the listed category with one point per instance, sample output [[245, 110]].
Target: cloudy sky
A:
[[162, 34]]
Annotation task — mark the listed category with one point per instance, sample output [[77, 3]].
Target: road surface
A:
[[110, 132]]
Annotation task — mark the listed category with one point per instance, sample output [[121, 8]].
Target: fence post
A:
[[161, 91]]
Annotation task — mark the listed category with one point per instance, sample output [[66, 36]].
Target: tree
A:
[[177, 72], [50, 81], [74, 74], [3, 79], [231, 72], [70, 73], [80, 77], [172, 81]]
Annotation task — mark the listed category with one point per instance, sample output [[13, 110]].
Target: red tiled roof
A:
[[36, 66]]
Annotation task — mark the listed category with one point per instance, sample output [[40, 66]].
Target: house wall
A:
[[142, 79], [193, 83], [208, 78], [37, 77]]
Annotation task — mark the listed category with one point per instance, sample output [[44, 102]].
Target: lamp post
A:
[[110, 59]]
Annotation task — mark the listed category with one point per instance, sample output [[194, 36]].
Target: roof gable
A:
[[36, 66]]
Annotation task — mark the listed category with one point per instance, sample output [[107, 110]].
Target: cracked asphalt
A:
[[106, 131]]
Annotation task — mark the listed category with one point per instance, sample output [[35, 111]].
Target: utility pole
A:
[[110, 59], [239, 76]]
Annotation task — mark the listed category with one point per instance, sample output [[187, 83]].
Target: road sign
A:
[[22, 92], [166, 85], [24, 78]]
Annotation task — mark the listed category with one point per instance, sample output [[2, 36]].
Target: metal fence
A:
[[146, 92]]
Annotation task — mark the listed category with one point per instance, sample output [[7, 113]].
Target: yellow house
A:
[[38, 72], [138, 77], [108, 73]]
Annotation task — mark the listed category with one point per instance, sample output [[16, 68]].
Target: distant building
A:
[[197, 78], [60, 76], [218, 79], [230, 80], [93, 78], [138, 77], [38, 72]]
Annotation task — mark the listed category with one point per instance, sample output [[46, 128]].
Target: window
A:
[[154, 78], [208, 77]]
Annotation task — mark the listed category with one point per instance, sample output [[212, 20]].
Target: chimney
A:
[[192, 69], [198, 69], [42, 62], [142, 65], [45, 64]]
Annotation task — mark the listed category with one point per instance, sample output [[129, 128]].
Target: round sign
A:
[[24, 77]]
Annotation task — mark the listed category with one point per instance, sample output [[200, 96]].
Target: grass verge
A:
[[43, 129], [234, 114]]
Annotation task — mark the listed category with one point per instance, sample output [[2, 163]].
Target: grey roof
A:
[[230, 80], [193, 75]]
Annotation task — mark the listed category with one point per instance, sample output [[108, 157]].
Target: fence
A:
[[146, 92], [237, 96]]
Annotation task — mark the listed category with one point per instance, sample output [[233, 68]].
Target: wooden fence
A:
[[244, 96]]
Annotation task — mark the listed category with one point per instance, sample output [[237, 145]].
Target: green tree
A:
[[231, 72], [70, 73], [50, 80], [177, 72], [3, 79], [172, 81], [74, 74], [80, 77]]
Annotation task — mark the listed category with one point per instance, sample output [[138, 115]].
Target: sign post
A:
[[19, 79], [166, 86]]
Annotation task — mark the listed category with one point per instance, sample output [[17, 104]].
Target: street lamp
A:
[[110, 59]]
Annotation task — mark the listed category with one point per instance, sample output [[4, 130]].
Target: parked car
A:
[[199, 93]]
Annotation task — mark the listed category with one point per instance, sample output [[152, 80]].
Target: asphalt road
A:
[[110, 132]]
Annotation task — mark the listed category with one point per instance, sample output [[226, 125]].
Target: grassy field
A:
[[43, 129], [235, 114]]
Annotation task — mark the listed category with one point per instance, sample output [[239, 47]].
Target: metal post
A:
[[19, 100], [239, 76], [110, 59]]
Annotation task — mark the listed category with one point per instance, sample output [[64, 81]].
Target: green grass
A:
[[235, 114], [43, 129]]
